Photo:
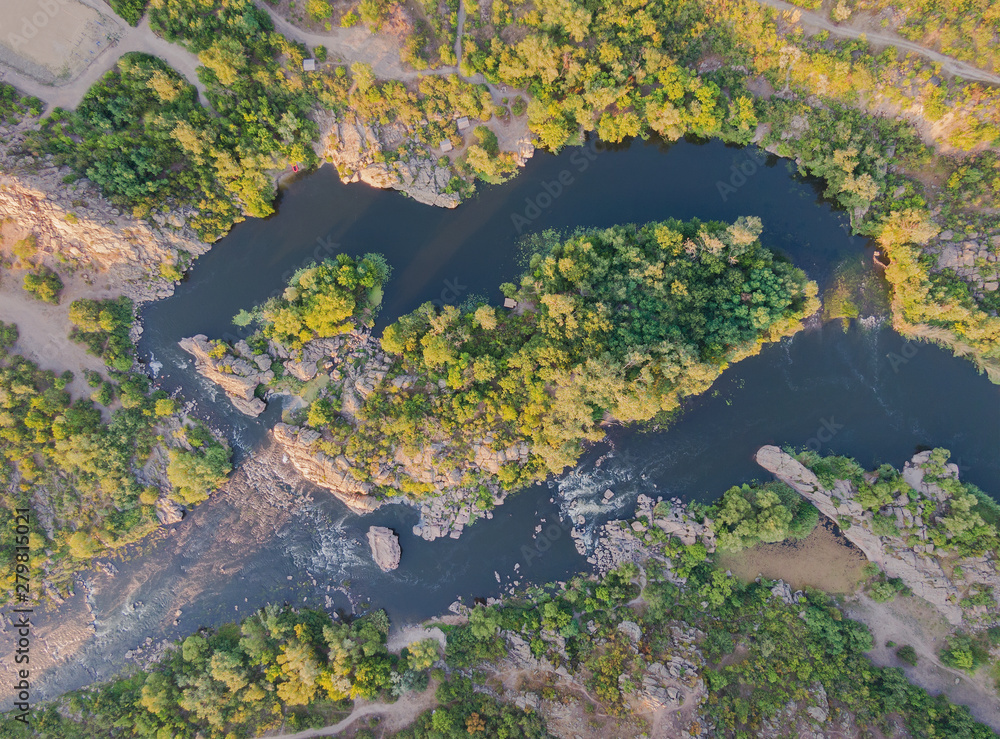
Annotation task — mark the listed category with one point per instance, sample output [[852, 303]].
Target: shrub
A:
[[318, 9], [907, 654], [44, 284], [26, 250]]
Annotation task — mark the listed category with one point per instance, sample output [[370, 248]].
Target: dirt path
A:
[[395, 716], [950, 65], [120, 41], [356, 44], [912, 621]]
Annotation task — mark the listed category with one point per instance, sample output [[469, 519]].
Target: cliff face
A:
[[921, 566], [74, 223]]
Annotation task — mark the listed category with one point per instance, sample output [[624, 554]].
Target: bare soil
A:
[[44, 328], [823, 560], [54, 43]]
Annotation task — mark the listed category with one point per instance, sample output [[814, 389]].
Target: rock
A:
[[72, 222], [168, 512], [322, 470], [237, 378], [632, 630], [385, 547]]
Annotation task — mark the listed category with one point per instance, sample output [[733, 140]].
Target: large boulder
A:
[[385, 547]]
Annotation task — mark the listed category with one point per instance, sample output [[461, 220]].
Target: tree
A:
[[422, 654], [318, 9], [194, 475]]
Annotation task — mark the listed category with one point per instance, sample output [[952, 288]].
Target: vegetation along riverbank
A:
[[664, 642]]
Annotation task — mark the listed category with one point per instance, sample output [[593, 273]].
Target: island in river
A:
[[132, 467]]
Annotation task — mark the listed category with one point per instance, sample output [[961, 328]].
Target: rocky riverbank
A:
[[358, 151], [345, 370], [935, 574]]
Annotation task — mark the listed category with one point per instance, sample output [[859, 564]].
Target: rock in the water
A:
[[385, 547], [168, 512], [237, 377]]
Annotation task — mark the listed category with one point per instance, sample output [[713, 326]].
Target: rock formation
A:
[[917, 565], [320, 469], [76, 223], [352, 148], [619, 543], [385, 547], [238, 374]]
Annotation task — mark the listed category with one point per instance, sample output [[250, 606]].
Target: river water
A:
[[859, 390]]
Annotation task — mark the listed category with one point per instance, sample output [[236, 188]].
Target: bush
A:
[[963, 653], [318, 9], [907, 654], [44, 284]]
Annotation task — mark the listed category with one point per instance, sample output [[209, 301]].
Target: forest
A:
[[612, 326], [294, 669]]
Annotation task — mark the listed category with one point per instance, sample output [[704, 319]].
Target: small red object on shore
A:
[[295, 168]]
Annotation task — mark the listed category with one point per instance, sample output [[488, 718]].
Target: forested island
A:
[[111, 191]]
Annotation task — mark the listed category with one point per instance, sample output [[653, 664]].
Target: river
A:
[[859, 390]]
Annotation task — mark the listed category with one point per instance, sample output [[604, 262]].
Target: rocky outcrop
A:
[[355, 149], [168, 512], [620, 542], [334, 474], [916, 564], [75, 223], [385, 547], [974, 257], [238, 372]]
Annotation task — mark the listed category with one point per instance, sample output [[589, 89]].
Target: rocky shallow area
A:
[[349, 368]]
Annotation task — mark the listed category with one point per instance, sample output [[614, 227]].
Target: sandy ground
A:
[[399, 639], [43, 329], [913, 621], [823, 560], [54, 42], [120, 38]]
